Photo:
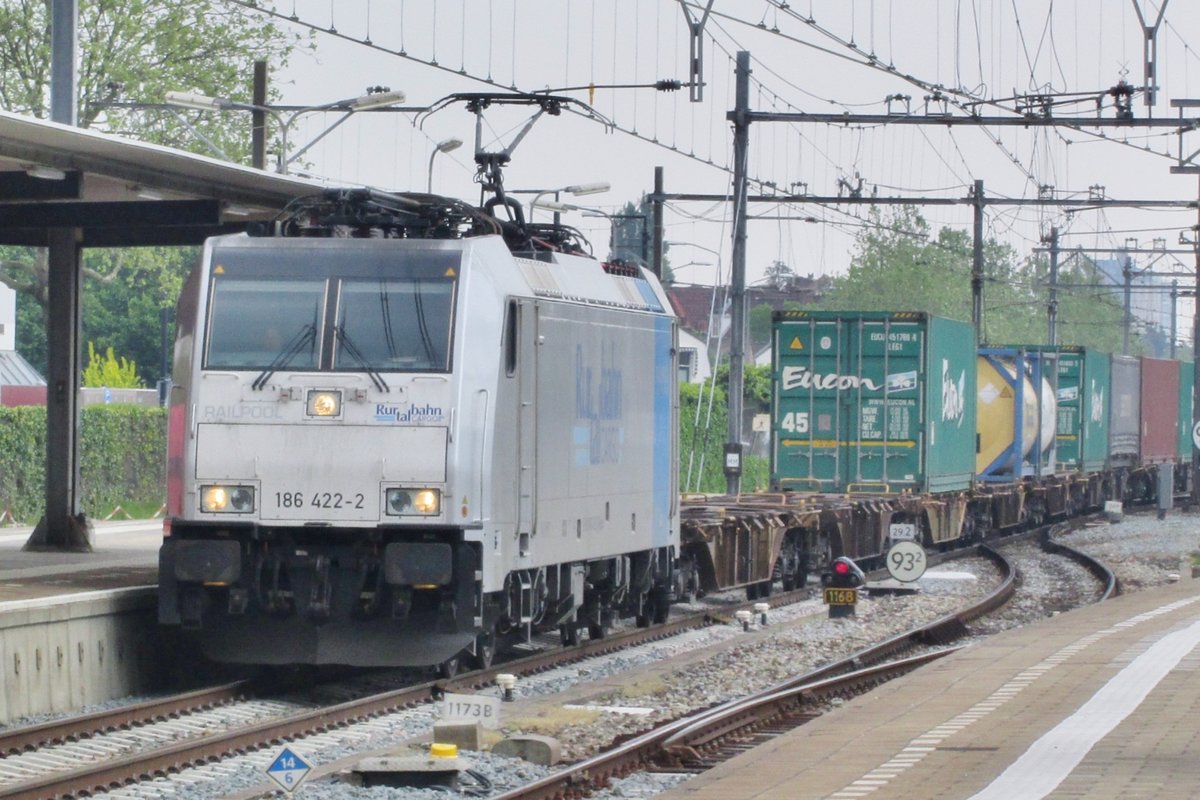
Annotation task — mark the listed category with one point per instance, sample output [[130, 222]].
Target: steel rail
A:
[[722, 720], [121, 771], [74, 728], [1099, 570]]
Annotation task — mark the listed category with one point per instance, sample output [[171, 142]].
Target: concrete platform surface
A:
[[1100, 702], [125, 554]]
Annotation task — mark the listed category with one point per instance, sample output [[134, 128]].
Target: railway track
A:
[[84, 755], [697, 742], [162, 737]]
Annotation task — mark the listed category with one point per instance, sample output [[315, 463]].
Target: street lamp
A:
[[716, 253], [201, 102], [685, 266], [444, 146], [578, 190]]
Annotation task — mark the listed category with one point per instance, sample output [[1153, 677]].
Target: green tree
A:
[[1088, 313], [131, 50], [139, 50], [900, 264], [110, 371]]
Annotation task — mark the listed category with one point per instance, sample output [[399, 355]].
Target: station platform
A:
[[79, 628], [125, 555], [1099, 702]]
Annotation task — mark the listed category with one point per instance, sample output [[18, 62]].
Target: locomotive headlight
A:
[[401, 502], [231, 499], [324, 403]]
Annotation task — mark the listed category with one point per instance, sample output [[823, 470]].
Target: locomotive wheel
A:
[[485, 651], [449, 668], [662, 606], [597, 632]]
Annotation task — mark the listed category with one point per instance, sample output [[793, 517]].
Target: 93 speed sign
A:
[[906, 561]]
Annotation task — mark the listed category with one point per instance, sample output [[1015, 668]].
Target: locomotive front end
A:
[[309, 505]]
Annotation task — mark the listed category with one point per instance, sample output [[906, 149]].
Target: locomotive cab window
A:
[[394, 324], [347, 306], [254, 324]]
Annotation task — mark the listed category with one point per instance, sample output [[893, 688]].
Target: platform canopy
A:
[[121, 193], [65, 189]]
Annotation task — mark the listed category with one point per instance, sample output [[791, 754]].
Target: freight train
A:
[[894, 426], [405, 431]]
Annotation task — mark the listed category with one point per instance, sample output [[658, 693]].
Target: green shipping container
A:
[[872, 402], [1187, 374], [1082, 391]]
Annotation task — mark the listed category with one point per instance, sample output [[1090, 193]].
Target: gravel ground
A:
[[723, 662]]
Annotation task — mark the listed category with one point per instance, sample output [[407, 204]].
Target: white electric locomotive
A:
[[404, 432]]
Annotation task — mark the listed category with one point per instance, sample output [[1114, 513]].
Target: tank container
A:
[[1016, 412]]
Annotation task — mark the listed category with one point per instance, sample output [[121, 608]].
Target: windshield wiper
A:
[[305, 336], [357, 355]]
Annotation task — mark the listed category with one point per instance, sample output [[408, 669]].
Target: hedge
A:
[[123, 456], [706, 444], [122, 459]]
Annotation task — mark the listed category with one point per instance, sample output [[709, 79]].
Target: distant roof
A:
[[49, 171], [16, 371]]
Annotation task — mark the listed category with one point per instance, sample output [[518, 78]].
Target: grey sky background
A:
[[851, 57]]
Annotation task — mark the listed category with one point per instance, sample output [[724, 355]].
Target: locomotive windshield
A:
[[394, 325], [253, 322], [352, 309]]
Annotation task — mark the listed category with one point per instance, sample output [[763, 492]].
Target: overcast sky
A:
[[851, 58]]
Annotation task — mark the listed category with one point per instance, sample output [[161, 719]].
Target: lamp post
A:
[[716, 253], [202, 102], [684, 266], [577, 190], [444, 146]]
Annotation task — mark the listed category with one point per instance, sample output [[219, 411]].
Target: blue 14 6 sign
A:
[[288, 770], [906, 561]]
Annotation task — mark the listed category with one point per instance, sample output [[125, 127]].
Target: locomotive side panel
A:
[[604, 410]]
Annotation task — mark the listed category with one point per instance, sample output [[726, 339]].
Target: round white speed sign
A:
[[906, 561]]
